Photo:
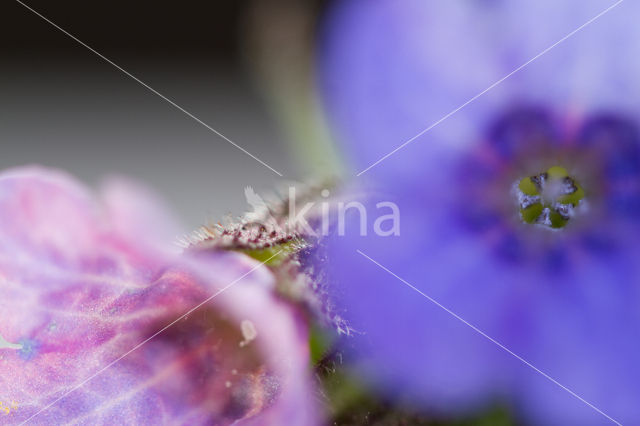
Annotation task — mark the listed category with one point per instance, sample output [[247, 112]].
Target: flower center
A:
[[549, 198]]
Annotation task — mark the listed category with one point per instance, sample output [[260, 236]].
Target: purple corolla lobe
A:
[[84, 282], [519, 209]]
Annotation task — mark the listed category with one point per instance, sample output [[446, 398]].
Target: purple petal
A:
[[392, 69], [79, 292], [567, 302]]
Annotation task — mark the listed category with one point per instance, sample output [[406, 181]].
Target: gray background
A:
[[62, 106]]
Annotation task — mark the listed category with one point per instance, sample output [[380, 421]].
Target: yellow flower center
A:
[[549, 198]]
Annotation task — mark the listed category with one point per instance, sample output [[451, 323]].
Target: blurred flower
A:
[[519, 211], [86, 288]]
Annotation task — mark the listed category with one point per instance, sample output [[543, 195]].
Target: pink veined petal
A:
[[78, 294]]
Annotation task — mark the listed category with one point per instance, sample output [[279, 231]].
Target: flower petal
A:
[[81, 300], [138, 213], [391, 70]]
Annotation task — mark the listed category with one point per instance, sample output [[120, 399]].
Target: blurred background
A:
[[243, 67]]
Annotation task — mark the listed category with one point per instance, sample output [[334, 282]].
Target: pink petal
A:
[[139, 213], [78, 293]]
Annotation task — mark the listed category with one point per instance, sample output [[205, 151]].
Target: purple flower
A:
[[86, 286], [520, 211]]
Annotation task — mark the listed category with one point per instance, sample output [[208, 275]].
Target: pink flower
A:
[[90, 292]]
